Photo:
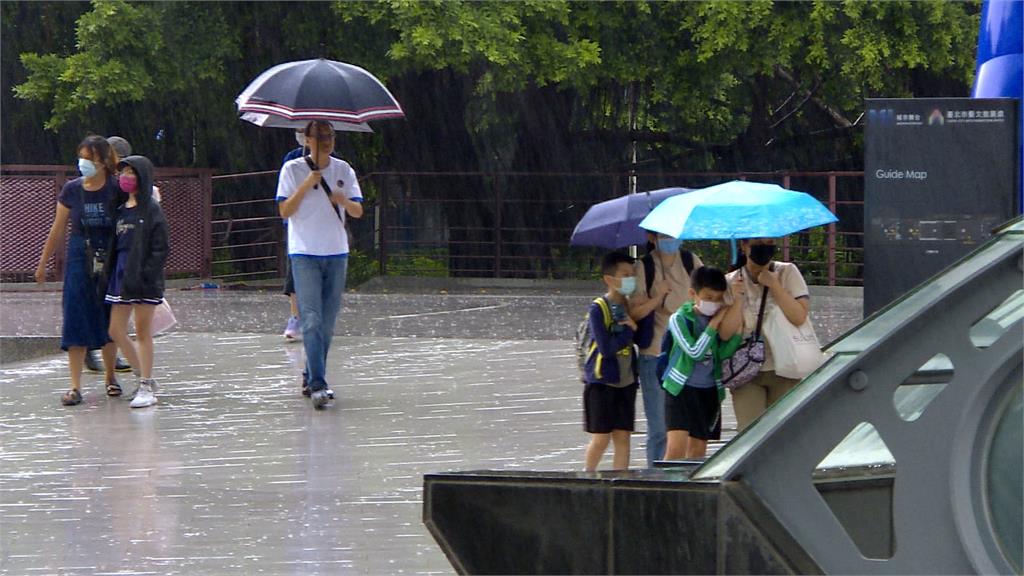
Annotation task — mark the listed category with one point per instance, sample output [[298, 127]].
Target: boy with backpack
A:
[[701, 334], [609, 364]]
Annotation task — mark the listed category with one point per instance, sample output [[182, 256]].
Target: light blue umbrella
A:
[[615, 223], [736, 210]]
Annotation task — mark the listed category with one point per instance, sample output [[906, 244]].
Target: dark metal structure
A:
[[462, 224], [28, 195], [902, 454]]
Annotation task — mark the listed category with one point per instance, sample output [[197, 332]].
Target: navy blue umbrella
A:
[[615, 223]]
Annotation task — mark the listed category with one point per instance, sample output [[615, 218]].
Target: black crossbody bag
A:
[[327, 189]]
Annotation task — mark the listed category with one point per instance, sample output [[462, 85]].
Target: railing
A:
[[248, 235], [518, 224], [459, 224], [29, 193], [506, 225]]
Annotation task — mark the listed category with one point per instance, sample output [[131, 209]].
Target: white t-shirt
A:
[[314, 229]]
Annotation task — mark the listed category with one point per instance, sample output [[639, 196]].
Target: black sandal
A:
[[71, 397], [113, 388]]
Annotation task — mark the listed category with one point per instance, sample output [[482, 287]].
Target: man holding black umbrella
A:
[[316, 193]]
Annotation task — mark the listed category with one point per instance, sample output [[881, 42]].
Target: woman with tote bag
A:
[[788, 301]]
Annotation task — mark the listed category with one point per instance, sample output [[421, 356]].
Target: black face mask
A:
[[761, 254]]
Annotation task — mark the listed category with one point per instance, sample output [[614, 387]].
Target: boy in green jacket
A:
[[704, 332]]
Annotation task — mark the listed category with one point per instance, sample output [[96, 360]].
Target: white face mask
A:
[[300, 138], [707, 308]]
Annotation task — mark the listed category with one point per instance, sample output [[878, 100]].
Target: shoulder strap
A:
[[323, 182], [687, 257], [760, 313], [605, 310], [81, 197], [764, 300], [82, 219], [648, 261]]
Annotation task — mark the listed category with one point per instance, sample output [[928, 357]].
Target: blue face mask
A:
[[627, 285], [669, 245], [86, 167]]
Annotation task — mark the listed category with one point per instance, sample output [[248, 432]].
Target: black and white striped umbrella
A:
[[293, 93]]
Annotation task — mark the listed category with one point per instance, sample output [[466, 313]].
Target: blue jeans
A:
[[319, 284], [654, 407]]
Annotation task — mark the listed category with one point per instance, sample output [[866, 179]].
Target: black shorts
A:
[[607, 408], [289, 280], [696, 410]]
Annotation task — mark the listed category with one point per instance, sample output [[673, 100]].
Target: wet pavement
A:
[[233, 472], [488, 314]]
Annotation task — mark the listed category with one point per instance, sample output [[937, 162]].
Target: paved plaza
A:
[[233, 472]]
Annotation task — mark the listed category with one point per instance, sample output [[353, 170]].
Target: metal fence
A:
[[451, 224], [517, 225], [28, 196]]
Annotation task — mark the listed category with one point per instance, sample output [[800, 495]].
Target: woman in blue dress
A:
[[87, 203]]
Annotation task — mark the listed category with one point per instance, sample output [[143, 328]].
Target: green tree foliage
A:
[[719, 84], [130, 52], [489, 85]]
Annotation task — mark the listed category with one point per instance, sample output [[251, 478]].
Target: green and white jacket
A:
[[689, 348]]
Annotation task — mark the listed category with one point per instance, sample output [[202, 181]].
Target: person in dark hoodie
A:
[[135, 267]]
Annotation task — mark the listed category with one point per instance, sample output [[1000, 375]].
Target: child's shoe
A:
[[292, 332], [138, 381], [145, 394]]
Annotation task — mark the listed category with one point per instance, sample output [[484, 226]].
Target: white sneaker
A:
[[144, 395], [153, 389]]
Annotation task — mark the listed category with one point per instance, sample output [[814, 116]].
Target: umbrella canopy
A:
[[736, 210], [615, 223], [319, 90], [269, 121]]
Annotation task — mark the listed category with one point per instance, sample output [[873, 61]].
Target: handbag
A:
[[795, 349], [95, 260], [163, 318], [740, 368]]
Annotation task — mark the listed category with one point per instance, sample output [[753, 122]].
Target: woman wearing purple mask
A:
[[87, 203], [135, 267]]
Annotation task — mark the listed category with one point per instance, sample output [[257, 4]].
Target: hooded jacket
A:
[[144, 269]]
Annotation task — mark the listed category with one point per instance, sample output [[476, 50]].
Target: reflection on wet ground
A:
[[233, 472], [507, 316]]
